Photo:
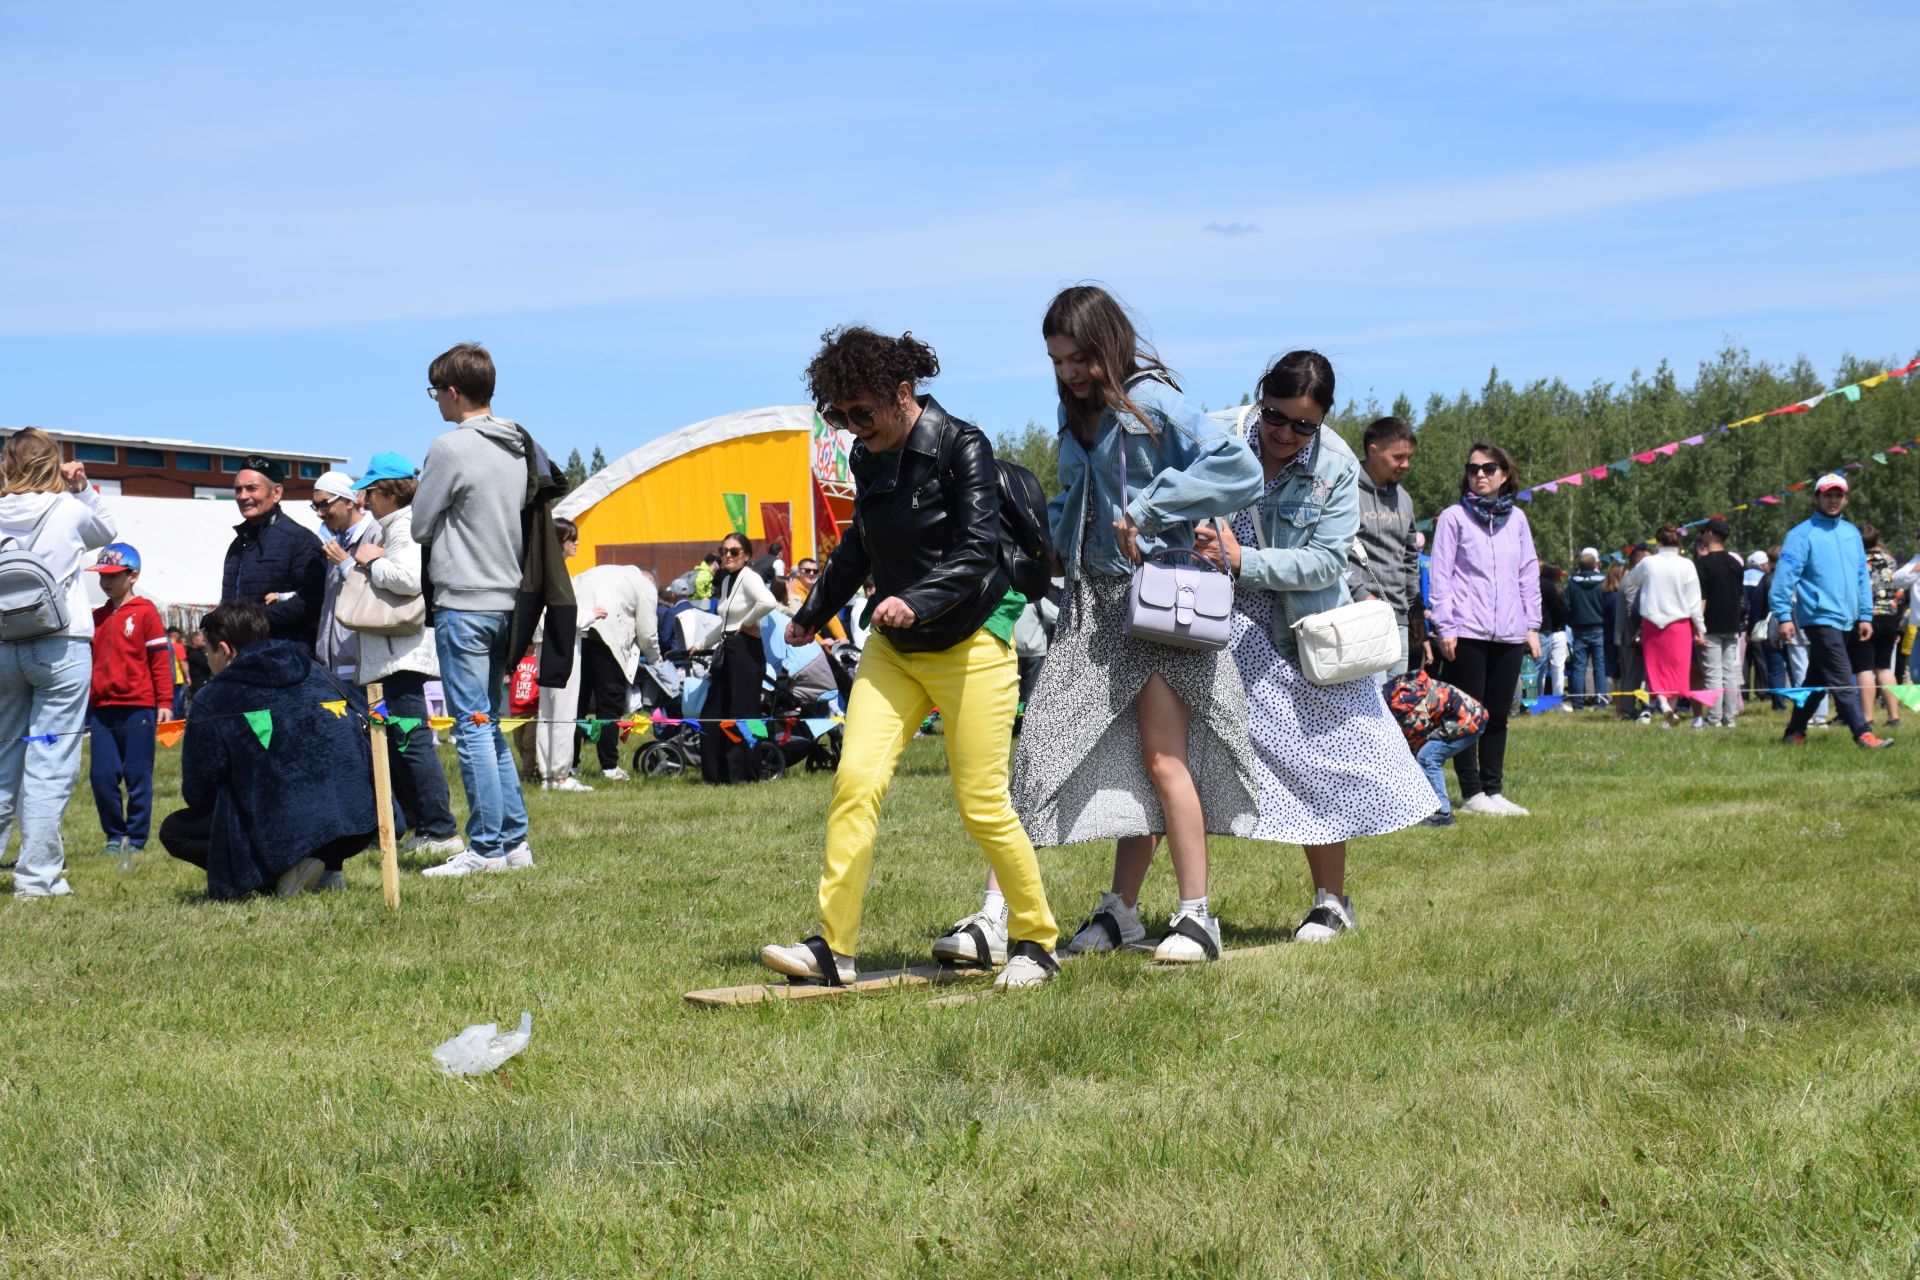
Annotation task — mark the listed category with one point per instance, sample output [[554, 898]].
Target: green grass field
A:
[[1667, 1026]]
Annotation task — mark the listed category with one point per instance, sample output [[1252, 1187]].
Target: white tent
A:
[[182, 544]]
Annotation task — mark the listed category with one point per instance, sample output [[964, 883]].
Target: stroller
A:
[[802, 689]]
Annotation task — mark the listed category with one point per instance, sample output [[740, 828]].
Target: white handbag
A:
[[1346, 643]]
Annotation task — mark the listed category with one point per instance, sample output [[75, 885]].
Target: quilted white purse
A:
[[1349, 642]]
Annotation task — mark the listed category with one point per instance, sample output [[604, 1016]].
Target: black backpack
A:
[[1026, 542]]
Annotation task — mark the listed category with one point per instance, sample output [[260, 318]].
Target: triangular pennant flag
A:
[[439, 724], [755, 729], [1853, 466], [1905, 369], [1648, 456], [1640, 695], [1798, 697], [1525, 495], [1852, 393], [1668, 450], [1795, 488], [1909, 695], [1896, 448], [377, 710], [1575, 479], [591, 728], [1880, 458], [1596, 473], [338, 706], [262, 724], [1705, 697], [1546, 702], [1766, 498], [1874, 381], [1551, 486], [1813, 402], [1746, 421], [509, 723], [48, 738], [1785, 408], [478, 717], [1621, 466], [1741, 507], [819, 726], [170, 732], [1693, 440], [406, 725]]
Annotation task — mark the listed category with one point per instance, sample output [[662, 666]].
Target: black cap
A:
[[1715, 526], [272, 468]]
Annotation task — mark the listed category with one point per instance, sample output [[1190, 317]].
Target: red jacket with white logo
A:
[[132, 662]]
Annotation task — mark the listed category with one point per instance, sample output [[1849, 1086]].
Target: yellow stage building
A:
[[777, 472]]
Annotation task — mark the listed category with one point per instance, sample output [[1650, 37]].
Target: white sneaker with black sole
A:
[[1032, 965], [1113, 926], [977, 942], [810, 960], [1191, 938], [1331, 916]]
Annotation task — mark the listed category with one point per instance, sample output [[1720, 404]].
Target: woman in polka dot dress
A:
[[1330, 762]]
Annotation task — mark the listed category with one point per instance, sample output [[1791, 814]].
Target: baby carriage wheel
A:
[[659, 759], [769, 762]]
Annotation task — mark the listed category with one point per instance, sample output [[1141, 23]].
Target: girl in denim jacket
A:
[[1329, 761], [1125, 739]]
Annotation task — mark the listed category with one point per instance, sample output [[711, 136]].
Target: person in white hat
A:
[[1821, 590], [347, 526]]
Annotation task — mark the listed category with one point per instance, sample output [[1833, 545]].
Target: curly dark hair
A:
[[854, 360]]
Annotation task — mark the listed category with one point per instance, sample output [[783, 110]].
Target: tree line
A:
[[1552, 429]]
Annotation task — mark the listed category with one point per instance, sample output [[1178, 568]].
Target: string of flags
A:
[[1907, 694], [1777, 496], [1645, 457]]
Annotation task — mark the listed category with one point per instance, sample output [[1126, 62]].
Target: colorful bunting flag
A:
[[1693, 440], [1798, 697], [439, 724], [1597, 473], [1909, 695], [338, 706], [169, 732], [262, 724]]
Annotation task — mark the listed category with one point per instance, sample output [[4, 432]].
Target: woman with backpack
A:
[[1126, 739], [50, 517], [927, 529]]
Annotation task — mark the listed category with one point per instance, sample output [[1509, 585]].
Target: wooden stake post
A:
[[383, 803]]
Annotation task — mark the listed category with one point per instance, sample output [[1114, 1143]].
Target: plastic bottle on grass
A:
[[482, 1048]]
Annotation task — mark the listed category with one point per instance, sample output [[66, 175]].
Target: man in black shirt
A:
[[1724, 599]]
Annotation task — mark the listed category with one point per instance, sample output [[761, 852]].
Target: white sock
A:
[[1197, 906], [995, 905]]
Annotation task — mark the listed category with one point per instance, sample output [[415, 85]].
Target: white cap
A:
[[1589, 551], [1758, 559], [1831, 480], [337, 483]]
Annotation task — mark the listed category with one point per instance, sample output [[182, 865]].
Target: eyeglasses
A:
[[1483, 468], [808, 573], [727, 553], [848, 420], [321, 508], [433, 393], [1276, 419]]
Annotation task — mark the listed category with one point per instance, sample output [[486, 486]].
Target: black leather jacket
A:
[[932, 539]]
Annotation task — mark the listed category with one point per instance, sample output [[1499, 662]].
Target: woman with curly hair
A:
[[926, 529], [1126, 739]]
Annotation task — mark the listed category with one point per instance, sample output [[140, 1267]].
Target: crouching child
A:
[[1439, 722]]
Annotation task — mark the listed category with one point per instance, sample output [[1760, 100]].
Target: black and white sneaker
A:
[[811, 960], [1331, 916], [1113, 926], [1032, 965], [977, 942], [1191, 938]]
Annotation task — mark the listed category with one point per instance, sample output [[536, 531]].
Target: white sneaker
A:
[[1191, 938], [1113, 926], [300, 877], [1507, 808], [1330, 917], [521, 855], [615, 775], [434, 848], [1032, 966], [802, 960], [1699, 722], [568, 783], [1482, 803], [465, 863], [979, 941]]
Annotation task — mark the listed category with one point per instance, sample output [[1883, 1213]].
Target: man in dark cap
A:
[[273, 562]]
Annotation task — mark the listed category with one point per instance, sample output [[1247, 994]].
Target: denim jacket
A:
[[1195, 470], [1310, 522]]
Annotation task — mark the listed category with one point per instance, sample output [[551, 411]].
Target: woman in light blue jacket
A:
[[1331, 763], [1125, 739]]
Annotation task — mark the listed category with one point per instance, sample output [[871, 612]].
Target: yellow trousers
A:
[[976, 685]]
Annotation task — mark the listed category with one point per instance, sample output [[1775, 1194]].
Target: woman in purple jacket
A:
[[1485, 604]]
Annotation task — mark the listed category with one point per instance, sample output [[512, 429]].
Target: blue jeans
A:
[[472, 647], [43, 689], [1589, 648], [1434, 755], [123, 753]]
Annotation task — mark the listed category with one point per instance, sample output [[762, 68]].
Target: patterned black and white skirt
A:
[[1077, 772]]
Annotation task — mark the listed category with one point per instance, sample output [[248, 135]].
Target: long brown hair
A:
[[1096, 323], [30, 463]]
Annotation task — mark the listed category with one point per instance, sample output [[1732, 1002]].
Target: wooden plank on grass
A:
[[881, 980], [971, 997]]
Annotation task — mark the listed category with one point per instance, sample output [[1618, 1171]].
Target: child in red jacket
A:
[[132, 692]]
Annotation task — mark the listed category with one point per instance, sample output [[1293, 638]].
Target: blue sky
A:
[[257, 223]]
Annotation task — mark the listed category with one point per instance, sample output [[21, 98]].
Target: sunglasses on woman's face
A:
[[855, 419], [728, 553], [1483, 468], [1299, 426]]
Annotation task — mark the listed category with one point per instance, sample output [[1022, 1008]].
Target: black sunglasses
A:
[[847, 420], [1483, 468], [1299, 426]]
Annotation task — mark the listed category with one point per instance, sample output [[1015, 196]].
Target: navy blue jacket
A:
[[278, 555], [273, 805]]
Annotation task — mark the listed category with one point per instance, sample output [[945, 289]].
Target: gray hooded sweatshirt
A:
[[473, 486]]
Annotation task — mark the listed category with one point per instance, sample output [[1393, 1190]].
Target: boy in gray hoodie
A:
[[467, 512]]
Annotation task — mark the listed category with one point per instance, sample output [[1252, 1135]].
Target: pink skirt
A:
[[1669, 654]]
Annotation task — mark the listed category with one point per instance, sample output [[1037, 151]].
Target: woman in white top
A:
[[1671, 615], [49, 510], [733, 683]]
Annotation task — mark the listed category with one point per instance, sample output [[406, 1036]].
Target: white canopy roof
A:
[[730, 426]]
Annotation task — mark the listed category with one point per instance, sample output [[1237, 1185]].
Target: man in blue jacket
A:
[[1820, 588], [274, 562], [1587, 615]]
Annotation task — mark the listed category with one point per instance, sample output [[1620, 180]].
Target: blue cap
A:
[[114, 557], [386, 466]]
